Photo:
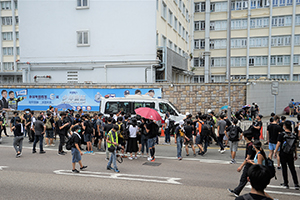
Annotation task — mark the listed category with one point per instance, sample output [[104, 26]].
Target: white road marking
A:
[[277, 192], [2, 167], [130, 177], [202, 160]]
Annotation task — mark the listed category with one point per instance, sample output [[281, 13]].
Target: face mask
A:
[[79, 131], [27, 112]]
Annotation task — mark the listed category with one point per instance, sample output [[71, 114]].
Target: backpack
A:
[[269, 163], [252, 108], [69, 143], [288, 145], [48, 124], [205, 129], [291, 105], [233, 134], [249, 197]]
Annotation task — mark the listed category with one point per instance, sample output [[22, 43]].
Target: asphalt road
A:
[[47, 176]]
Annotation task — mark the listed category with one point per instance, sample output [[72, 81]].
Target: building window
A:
[[6, 20], [280, 60], [219, 7], [7, 51], [170, 17], [238, 61], [199, 44], [259, 42], [297, 20], [157, 1], [218, 62], [175, 47], [281, 21], [7, 36], [8, 66], [239, 43], [157, 35], [6, 5], [239, 24], [259, 22], [218, 44], [200, 7], [297, 40], [170, 44], [187, 36], [281, 41], [180, 27], [198, 79], [175, 23], [83, 38], [164, 10], [183, 33], [296, 60], [82, 4], [164, 41], [220, 25], [180, 4]]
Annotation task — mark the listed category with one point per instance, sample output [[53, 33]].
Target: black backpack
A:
[[289, 144], [205, 129], [233, 134], [269, 163], [70, 142]]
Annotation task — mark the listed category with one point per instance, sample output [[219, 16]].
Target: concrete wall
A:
[[186, 97], [260, 92]]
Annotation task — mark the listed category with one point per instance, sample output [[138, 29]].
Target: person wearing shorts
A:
[[273, 130], [233, 142], [189, 130], [76, 152]]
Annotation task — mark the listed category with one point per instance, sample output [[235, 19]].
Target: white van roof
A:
[[133, 97]]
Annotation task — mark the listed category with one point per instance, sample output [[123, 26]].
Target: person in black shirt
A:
[[249, 155], [62, 131], [273, 131], [259, 178], [76, 152], [151, 129], [257, 125], [287, 158], [144, 138], [27, 118], [18, 140], [3, 101], [189, 131], [13, 119]]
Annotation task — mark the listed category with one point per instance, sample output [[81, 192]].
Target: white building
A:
[[95, 41]]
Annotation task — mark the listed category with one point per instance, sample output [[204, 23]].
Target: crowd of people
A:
[[120, 133]]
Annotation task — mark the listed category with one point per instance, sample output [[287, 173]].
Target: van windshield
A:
[[164, 108], [115, 107]]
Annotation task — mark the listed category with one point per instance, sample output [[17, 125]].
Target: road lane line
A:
[[210, 161], [3, 167], [130, 177]]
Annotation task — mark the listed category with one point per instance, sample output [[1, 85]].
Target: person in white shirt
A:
[[132, 141]]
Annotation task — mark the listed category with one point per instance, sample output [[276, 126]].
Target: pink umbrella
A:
[[148, 113]]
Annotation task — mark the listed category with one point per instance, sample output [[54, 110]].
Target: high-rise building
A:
[[265, 40], [9, 44], [85, 41]]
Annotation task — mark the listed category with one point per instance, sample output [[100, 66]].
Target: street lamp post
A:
[[229, 58]]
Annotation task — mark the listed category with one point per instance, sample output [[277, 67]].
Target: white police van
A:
[[129, 103]]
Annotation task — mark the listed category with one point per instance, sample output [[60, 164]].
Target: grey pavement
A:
[[47, 176]]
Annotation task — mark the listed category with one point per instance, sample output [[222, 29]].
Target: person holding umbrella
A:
[[151, 128]]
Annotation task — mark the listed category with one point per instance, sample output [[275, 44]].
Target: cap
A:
[[181, 122], [187, 113], [209, 110]]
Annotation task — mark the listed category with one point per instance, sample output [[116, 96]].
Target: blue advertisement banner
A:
[[85, 99]]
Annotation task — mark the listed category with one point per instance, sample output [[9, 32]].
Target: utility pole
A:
[[229, 58]]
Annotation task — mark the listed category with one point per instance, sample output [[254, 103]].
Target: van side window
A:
[[143, 104], [164, 108], [115, 107]]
